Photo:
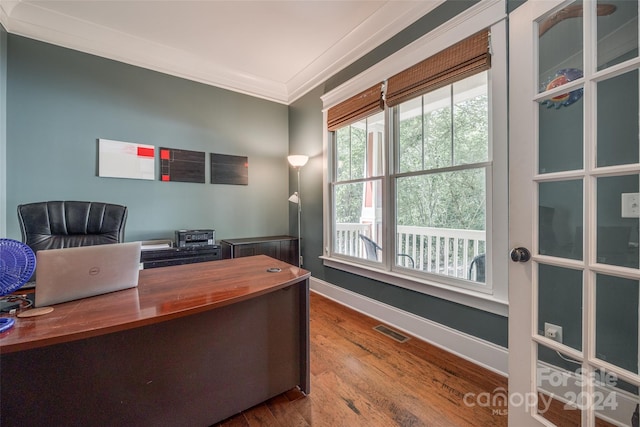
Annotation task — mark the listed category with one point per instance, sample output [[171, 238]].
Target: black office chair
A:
[[371, 248], [64, 224], [477, 263]]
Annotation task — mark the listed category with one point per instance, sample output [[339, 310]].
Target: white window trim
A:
[[487, 13]]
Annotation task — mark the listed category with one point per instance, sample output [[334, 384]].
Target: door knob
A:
[[520, 254]]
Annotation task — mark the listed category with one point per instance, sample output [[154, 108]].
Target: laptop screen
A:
[[73, 273]]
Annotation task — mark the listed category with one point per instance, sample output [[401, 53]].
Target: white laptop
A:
[[73, 273]]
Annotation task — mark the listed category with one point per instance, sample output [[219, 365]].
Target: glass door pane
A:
[[618, 120], [614, 400], [558, 386], [561, 136], [617, 321], [560, 206], [617, 219], [617, 28], [560, 299]]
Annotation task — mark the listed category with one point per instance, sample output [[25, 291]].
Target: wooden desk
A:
[[192, 345]]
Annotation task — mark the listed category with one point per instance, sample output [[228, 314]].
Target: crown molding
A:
[[36, 22], [5, 9], [6, 6]]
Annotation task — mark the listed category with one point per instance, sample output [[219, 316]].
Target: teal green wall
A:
[[61, 101], [305, 130]]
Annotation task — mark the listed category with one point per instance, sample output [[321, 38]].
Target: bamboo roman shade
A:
[[463, 59], [355, 108]]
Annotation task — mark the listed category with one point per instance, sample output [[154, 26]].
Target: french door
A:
[[574, 205]]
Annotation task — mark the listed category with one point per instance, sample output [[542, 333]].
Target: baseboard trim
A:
[[483, 353]]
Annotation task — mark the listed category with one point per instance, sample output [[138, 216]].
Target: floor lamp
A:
[[298, 161]]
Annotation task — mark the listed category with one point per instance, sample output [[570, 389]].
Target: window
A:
[[416, 187], [357, 190], [440, 185]]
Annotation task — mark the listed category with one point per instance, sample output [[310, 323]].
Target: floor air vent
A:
[[391, 333]]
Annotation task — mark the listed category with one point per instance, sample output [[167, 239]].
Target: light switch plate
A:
[[630, 205]]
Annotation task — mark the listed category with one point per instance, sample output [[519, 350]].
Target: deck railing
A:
[[438, 250], [348, 240]]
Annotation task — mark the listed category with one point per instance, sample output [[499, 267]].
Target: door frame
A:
[[523, 400]]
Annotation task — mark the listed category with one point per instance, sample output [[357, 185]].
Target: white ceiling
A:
[[277, 50]]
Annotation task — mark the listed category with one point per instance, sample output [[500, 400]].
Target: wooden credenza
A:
[[190, 346], [284, 248]]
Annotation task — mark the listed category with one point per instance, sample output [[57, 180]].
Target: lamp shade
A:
[[298, 160], [294, 198]]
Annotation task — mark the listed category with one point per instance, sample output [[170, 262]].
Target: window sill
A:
[[478, 300]]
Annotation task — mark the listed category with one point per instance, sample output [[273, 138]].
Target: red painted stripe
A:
[[165, 178], [146, 152], [165, 154]]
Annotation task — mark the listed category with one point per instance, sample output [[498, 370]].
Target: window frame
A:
[[488, 14], [395, 174]]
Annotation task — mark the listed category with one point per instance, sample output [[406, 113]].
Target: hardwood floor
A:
[[361, 377]]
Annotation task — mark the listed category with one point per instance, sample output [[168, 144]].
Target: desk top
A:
[[162, 294]]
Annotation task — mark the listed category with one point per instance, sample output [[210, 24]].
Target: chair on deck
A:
[[58, 224], [477, 265], [372, 248]]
